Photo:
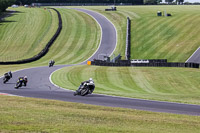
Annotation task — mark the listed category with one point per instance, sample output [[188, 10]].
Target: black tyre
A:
[[84, 92], [5, 80], [16, 87], [19, 84], [75, 93]]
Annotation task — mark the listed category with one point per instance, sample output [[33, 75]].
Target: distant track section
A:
[[195, 58], [45, 50], [108, 38]]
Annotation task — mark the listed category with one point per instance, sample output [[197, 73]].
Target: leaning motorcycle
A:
[[19, 83], [6, 79], [51, 63], [85, 89]]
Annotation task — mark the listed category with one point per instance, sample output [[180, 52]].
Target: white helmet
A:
[[25, 77], [90, 79]]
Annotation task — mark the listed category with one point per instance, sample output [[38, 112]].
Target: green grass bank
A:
[[77, 41], [27, 31], [36, 115], [164, 84], [174, 38]]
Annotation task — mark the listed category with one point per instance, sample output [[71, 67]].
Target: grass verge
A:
[[165, 84], [35, 115]]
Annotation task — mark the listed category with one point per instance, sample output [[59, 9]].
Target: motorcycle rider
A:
[[83, 84], [51, 63], [8, 75], [23, 80]]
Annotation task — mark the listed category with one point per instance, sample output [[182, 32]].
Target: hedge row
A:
[[44, 51]]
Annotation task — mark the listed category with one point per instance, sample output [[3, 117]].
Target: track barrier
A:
[[152, 63], [128, 39], [89, 63]]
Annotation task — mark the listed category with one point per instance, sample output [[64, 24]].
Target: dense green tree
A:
[[138, 2], [151, 2], [4, 4], [169, 1], [179, 1]]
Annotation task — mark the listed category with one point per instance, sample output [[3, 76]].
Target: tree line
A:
[[5, 4], [134, 2], [154, 2]]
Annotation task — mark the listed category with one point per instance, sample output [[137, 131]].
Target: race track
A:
[[195, 58], [39, 85]]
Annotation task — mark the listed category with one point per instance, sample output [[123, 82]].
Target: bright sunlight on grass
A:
[[165, 84], [36, 115]]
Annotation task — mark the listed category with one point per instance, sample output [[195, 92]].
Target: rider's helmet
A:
[[91, 80], [25, 77]]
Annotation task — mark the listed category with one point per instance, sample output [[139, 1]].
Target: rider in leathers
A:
[[82, 85]]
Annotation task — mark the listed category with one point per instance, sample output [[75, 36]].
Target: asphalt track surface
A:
[[195, 58], [39, 85]]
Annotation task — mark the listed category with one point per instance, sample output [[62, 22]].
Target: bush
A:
[[4, 4]]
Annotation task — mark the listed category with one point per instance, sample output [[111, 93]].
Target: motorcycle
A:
[[6, 78], [85, 89], [19, 83], [51, 63]]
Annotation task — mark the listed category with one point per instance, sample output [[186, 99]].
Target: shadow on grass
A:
[[8, 14]]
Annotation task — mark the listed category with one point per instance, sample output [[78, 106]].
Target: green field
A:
[[27, 31], [77, 41], [165, 84], [174, 38], [36, 115], [149, 40]]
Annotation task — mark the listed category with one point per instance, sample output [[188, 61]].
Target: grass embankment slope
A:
[[35, 115], [77, 41], [26, 32], [174, 38]]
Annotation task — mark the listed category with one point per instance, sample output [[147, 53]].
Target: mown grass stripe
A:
[[152, 42], [166, 84], [68, 38], [124, 79], [103, 81], [24, 36]]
